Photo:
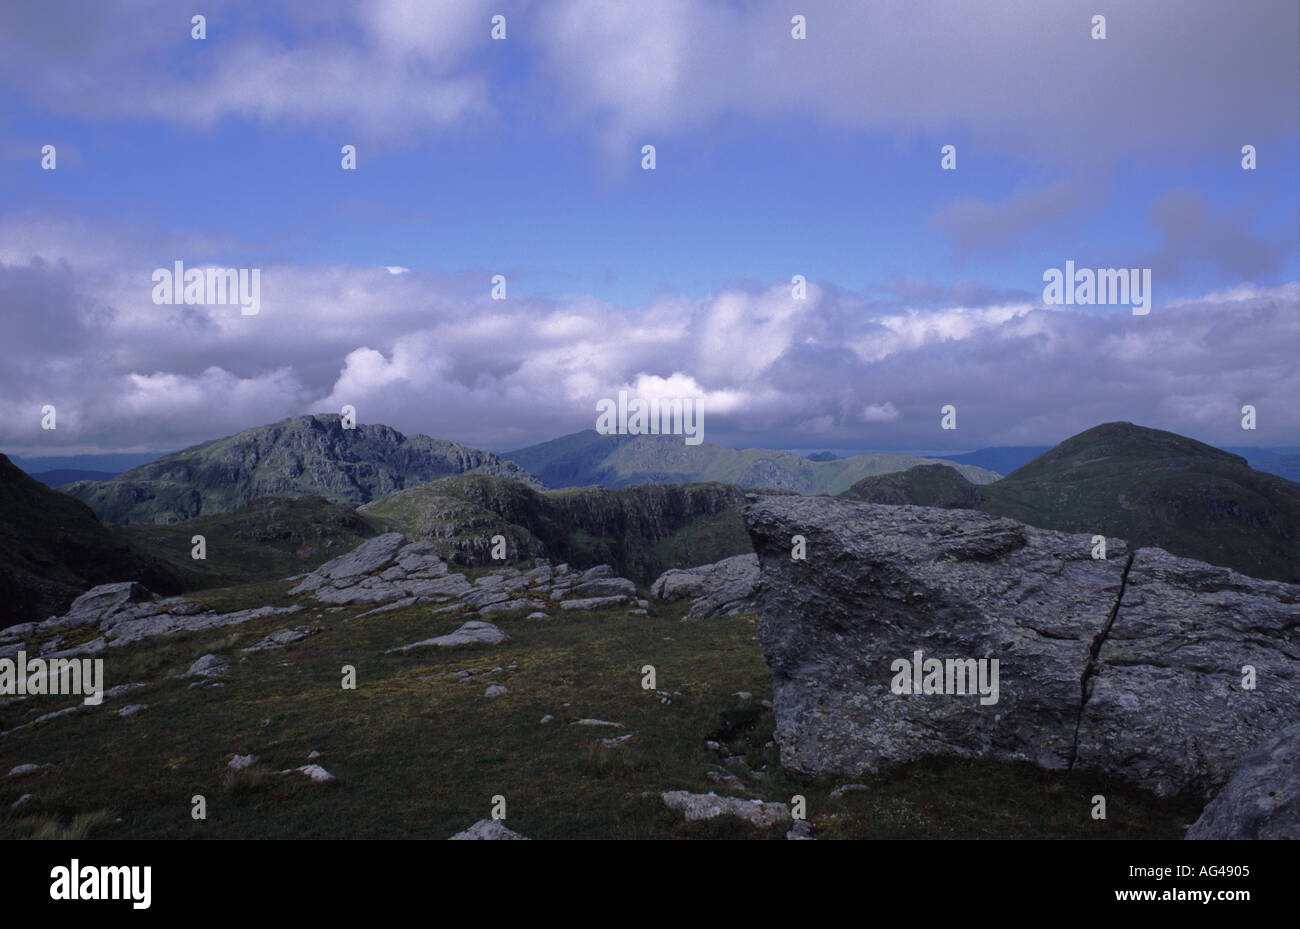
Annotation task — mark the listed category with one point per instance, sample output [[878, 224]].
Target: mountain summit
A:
[[1147, 486], [303, 455]]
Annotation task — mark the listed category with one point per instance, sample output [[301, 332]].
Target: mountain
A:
[[61, 476], [1149, 487], [823, 456], [614, 461], [641, 531], [52, 548], [292, 458], [1284, 461]]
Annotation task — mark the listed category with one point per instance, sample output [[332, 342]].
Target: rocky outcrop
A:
[[474, 632], [387, 570], [1262, 800], [411, 570], [396, 573], [127, 612], [1132, 664], [725, 588], [709, 806], [638, 530]]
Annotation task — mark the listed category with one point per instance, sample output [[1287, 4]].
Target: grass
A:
[[417, 754]]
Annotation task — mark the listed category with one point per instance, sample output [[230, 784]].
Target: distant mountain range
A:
[[294, 457], [1143, 485], [280, 499], [109, 463], [589, 458], [61, 476], [55, 471]]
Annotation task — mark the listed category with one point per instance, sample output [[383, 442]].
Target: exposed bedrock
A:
[[1132, 664]]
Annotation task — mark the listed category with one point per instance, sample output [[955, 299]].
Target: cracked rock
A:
[[1135, 674]]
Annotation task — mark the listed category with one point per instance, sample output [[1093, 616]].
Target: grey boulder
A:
[[1262, 799], [1131, 664]]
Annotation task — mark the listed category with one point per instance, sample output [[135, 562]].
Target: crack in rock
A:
[[1094, 654]]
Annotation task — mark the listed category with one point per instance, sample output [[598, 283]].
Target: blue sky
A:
[[775, 157]]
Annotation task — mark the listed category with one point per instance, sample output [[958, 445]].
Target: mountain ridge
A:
[[614, 461], [298, 456]]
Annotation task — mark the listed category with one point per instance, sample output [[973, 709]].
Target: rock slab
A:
[[1130, 664]]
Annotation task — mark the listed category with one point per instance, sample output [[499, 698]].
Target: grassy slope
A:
[[270, 538], [52, 548], [418, 755]]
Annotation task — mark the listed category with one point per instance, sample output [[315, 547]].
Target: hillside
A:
[[615, 461], [1144, 485], [641, 530], [52, 548], [270, 538], [292, 458]]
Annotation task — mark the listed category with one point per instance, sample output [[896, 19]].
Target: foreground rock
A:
[[208, 666], [488, 829], [710, 805], [1132, 664], [722, 589], [395, 573], [100, 603], [474, 632], [1262, 799], [128, 612], [384, 569]]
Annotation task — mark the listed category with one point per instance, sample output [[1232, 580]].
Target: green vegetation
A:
[[417, 754], [270, 538], [641, 531]]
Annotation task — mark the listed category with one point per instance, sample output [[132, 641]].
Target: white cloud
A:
[[431, 353]]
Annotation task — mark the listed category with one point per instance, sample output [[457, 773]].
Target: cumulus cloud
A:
[[380, 68], [429, 353]]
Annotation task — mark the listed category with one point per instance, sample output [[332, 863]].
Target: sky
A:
[[774, 157]]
